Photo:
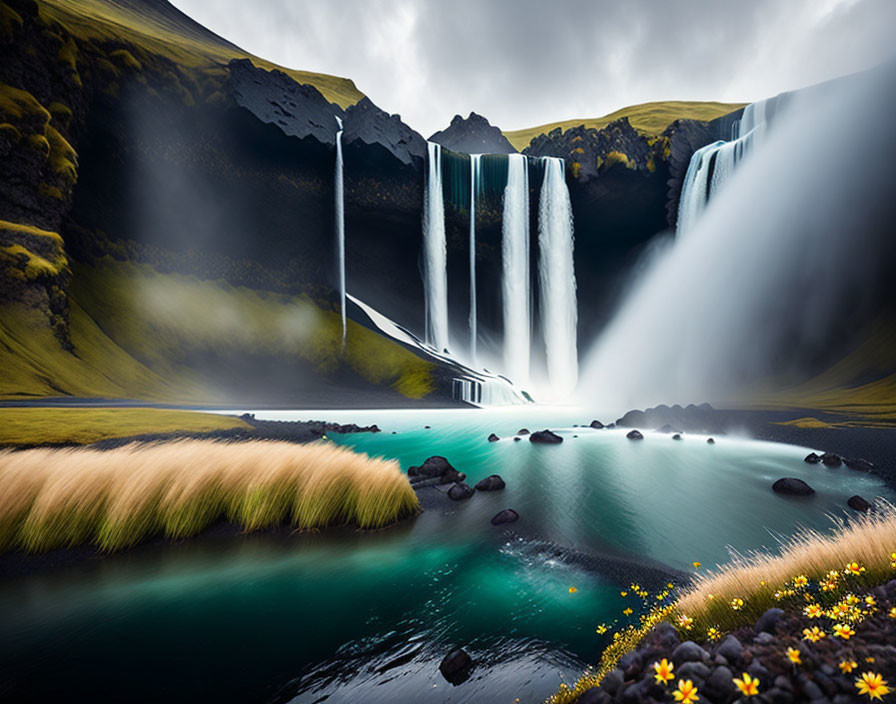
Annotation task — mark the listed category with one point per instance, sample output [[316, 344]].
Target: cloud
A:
[[527, 62]]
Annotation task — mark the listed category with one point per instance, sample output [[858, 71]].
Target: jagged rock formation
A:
[[474, 135]]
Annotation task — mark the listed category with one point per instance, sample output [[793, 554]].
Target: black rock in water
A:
[[434, 466], [507, 515], [857, 503], [493, 438], [831, 460], [490, 483], [546, 437], [456, 666], [517, 439], [710, 441], [461, 491], [634, 435], [812, 458], [677, 436], [452, 476], [792, 487], [596, 424], [858, 464], [522, 431]]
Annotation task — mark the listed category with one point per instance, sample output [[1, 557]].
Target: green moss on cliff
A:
[[10, 22]]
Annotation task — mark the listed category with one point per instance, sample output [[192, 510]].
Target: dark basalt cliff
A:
[[475, 135]]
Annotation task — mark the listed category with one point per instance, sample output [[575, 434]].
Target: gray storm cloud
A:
[[527, 62]]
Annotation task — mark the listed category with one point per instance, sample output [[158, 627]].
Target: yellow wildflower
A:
[[893, 612], [627, 611], [623, 593], [893, 560], [853, 568], [713, 633], [814, 634], [686, 692], [663, 670], [813, 611], [850, 599], [869, 659], [749, 686], [672, 586], [800, 581], [685, 622], [872, 684], [601, 629], [847, 666], [869, 601], [573, 590], [737, 603], [794, 656], [697, 565], [843, 631]]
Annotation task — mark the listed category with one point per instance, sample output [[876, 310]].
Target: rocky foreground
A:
[[788, 666]]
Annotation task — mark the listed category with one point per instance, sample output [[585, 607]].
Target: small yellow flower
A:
[[893, 560], [843, 631], [800, 581], [814, 634], [853, 568], [813, 611], [869, 601], [850, 600], [710, 596], [670, 585], [635, 587], [663, 670], [623, 593], [713, 633], [762, 583], [794, 656], [697, 565], [869, 659], [643, 594], [872, 684], [893, 612], [573, 590], [847, 666], [749, 686], [601, 629], [685, 622], [627, 611], [737, 603], [686, 692]]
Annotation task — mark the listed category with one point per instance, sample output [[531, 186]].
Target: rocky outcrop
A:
[[791, 486], [474, 135], [366, 124], [675, 419]]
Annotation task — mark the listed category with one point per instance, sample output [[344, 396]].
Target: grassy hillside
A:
[[28, 426], [648, 118], [141, 334], [163, 30]]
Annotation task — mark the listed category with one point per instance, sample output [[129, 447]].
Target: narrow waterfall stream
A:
[[340, 226], [557, 279], [475, 160], [515, 284], [435, 269]]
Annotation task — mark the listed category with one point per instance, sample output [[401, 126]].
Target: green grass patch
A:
[[650, 119], [34, 426]]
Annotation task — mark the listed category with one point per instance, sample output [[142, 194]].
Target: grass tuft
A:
[[52, 498]]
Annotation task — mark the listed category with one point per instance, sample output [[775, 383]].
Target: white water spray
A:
[[557, 279], [340, 227], [475, 160], [779, 258], [515, 259], [435, 266]]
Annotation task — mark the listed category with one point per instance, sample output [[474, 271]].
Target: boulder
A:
[[456, 666], [768, 622], [829, 459], [433, 467], [812, 458], [452, 476], [791, 486], [677, 436], [522, 431], [857, 503], [692, 671], [490, 483], [545, 437], [493, 438], [689, 651], [507, 515], [460, 492], [596, 424], [858, 464], [517, 439], [730, 649], [595, 695], [634, 435], [710, 441]]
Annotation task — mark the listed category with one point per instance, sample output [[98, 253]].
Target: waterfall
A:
[[340, 226], [435, 270], [712, 166], [557, 279], [515, 256], [474, 187]]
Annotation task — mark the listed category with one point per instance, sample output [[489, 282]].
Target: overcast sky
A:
[[527, 62]]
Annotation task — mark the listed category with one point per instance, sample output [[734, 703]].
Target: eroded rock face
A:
[[473, 135], [367, 124]]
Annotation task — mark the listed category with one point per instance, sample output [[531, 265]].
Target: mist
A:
[[782, 269]]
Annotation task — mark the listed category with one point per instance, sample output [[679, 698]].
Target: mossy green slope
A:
[[648, 118]]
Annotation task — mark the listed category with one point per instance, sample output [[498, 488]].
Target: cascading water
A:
[[712, 166], [435, 270], [474, 188], [557, 279], [340, 226], [515, 256]]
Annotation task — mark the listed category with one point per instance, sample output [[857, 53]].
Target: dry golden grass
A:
[[113, 499], [868, 539]]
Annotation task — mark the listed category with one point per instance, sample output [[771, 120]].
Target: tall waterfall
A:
[[435, 269], [340, 226], [712, 166], [515, 256], [557, 279], [474, 187]]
